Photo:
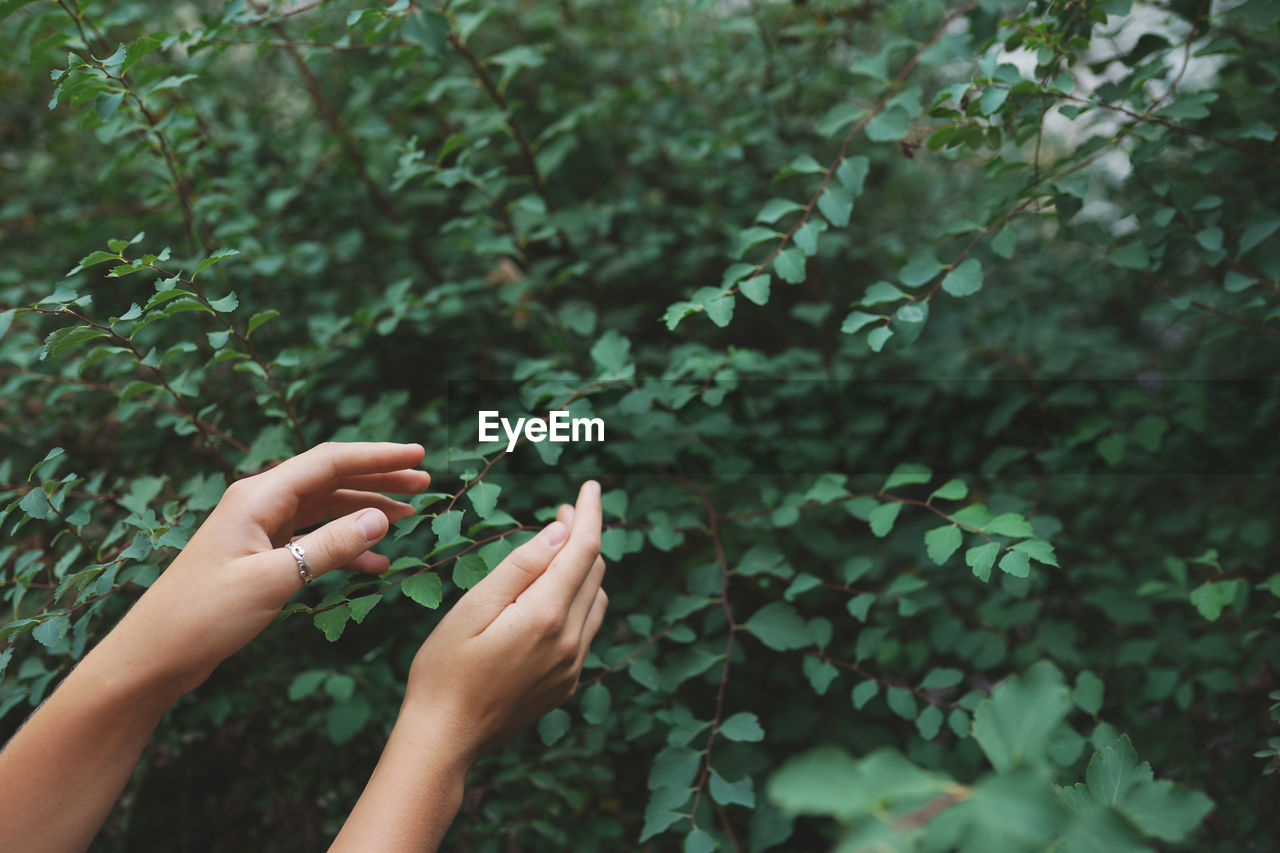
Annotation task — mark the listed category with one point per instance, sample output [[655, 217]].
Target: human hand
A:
[[235, 574], [512, 648]]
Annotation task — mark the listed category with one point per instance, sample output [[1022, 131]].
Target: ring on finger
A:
[[304, 568]]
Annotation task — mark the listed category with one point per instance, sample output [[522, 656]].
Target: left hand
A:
[[235, 574]]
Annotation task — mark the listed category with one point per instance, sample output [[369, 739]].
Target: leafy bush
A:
[[934, 346]]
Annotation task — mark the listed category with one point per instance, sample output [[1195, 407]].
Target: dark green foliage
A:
[[941, 537]]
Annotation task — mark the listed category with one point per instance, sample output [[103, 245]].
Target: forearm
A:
[[413, 795], [63, 771]]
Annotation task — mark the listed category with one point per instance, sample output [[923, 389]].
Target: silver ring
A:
[[304, 568]]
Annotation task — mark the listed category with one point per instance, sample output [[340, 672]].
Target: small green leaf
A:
[[1088, 693], [424, 588], [743, 726], [756, 288], [260, 318], [965, 279], [595, 704], [902, 702], [789, 265], [856, 320], [484, 497], [333, 621], [779, 627], [921, 269], [876, 337], [1010, 524], [1038, 550], [883, 517], [952, 490], [1016, 564], [864, 693], [216, 257], [1131, 256], [553, 726], [447, 527], [907, 474], [775, 209], [942, 542], [981, 558], [361, 606]]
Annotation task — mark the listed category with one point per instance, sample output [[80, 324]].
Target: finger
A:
[[369, 563], [565, 515], [559, 585], [336, 544], [320, 467], [516, 572], [410, 481], [586, 594], [344, 502], [595, 618]]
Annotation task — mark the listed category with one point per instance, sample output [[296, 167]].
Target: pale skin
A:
[[508, 651]]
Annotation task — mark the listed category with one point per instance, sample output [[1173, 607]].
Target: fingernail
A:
[[593, 488], [371, 524], [554, 533]]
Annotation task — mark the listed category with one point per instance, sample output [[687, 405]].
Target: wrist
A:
[[436, 730]]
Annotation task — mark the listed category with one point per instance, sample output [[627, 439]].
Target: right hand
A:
[[512, 648]]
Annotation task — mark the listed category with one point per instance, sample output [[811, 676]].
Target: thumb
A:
[[519, 569], [339, 543]]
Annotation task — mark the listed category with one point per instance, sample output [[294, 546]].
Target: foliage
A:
[[933, 343]]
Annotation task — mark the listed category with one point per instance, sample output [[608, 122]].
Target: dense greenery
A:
[[934, 344]]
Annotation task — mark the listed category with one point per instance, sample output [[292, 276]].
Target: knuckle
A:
[[567, 647], [548, 625]]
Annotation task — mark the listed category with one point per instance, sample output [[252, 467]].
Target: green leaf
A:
[[779, 627], [484, 497], [981, 558], [883, 517], [1010, 524], [1038, 550], [942, 542], [260, 318], [1015, 725], [226, 304], [305, 683], [902, 702], [852, 173], [720, 309], [952, 490], [1088, 692], [740, 793], [891, 124], [856, 320], [595, 704], [333, 621], [1166, 810], [789, 265], [1016, 564], [940, 678], [64, 339], [93, 259], [553, 726], [992, 100], [860, 605], [742, 726], [447, 527], [864, 693], [921, 269], [756, 288], [965, 279], [876, 337], [49, 632], [611, 352], [836, 203], [929, 723], [1211, 597], [1131, 256], [881, 291], [775, 209], [1263, 227], [698, 841], [35, 504], [468, 570], [907, 474], [1005, 242], [215, 258]]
